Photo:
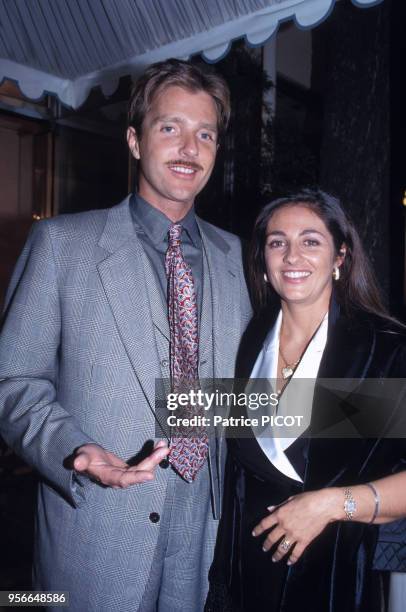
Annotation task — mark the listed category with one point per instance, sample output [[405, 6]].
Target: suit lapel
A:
[[253, 339], [221, 286], [219, 318], [159, 307], [206, 323], [348, 353], [123, 276]]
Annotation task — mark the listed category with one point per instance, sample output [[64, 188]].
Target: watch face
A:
[[350, 506]]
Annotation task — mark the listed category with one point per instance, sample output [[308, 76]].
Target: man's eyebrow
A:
[[209, 126], [171, 118], [180, 120]]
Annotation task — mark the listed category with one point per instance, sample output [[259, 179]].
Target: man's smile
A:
[[183, 167]]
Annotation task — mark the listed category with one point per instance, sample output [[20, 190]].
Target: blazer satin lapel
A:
[[348, 353], [253, 340], [122, 274]]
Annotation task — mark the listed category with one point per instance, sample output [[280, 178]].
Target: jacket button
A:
[[164, 463], [154, 517], [164, 363]]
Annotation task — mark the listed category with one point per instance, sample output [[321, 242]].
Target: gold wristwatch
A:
[[350, 506]]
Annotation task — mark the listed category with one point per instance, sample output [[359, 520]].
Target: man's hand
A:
[[107, 469]]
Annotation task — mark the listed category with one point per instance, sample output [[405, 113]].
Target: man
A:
[[85, 338]]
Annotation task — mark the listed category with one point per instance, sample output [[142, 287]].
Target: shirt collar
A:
[[156, 225], [272, 339]]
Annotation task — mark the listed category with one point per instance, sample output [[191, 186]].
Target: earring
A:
[[265, 277], [336, 273]]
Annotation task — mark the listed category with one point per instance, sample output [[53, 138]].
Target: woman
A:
[[300, 521]]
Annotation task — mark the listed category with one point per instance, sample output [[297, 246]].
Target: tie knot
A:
[[175, 232]]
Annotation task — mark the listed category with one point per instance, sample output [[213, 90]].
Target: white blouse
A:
[[271, 439]]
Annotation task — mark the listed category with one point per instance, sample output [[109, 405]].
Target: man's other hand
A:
[[107, 469]]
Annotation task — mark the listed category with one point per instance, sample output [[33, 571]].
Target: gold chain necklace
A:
[[289, 368]]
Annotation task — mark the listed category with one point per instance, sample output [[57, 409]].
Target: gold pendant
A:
[[287, 372]]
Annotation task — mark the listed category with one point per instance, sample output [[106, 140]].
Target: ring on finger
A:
[[285, 544]]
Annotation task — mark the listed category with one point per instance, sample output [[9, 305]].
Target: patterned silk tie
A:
[[187, 452]]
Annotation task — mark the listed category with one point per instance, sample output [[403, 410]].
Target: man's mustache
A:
[[186, 164]]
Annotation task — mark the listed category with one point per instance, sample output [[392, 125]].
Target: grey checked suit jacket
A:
[[78, 363]]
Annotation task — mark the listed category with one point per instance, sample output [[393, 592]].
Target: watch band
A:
[[350, 505]]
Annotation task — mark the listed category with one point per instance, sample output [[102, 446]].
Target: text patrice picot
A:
[[206, 401]]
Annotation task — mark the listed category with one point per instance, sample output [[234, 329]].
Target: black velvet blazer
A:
[[358, 347]]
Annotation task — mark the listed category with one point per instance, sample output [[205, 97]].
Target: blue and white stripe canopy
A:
[[66, 47]]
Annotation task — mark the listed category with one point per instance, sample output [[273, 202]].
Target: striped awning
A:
[[67, 47]]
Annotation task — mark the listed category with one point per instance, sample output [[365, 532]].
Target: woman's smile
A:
[[295, 276]]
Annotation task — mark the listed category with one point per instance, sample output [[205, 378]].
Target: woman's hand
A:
[[299, 520]]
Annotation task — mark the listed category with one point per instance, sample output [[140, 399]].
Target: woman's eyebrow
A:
[[304, 232]]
